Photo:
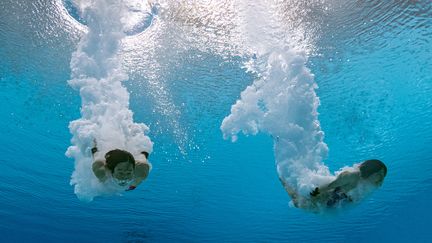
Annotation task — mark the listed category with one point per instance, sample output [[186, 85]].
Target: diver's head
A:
[[373, 170], [121, 164]]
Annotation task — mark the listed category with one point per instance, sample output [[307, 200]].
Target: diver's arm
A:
[[99, 170], [142, 169]]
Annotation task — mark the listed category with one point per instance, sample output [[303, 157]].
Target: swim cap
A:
[[116, 156]]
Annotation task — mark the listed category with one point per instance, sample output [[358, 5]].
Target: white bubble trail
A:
[[96, 72], [281, 102]]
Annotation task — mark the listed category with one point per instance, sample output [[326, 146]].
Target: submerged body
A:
[[123, 168], [348, 187]]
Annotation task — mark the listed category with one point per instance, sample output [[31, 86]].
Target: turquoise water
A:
[[371, 61]]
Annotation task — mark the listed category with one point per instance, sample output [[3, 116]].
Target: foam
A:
[[283, 103], [280, 102], [105, 116]]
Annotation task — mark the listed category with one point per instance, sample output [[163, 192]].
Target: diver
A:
[[367, 175], [122, 168]]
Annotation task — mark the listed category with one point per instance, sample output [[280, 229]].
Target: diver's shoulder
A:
[[98, 164]]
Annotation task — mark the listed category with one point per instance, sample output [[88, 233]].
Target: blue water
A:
[[371, 61]]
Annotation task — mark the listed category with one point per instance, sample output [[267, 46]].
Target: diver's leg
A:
[[291, 192]]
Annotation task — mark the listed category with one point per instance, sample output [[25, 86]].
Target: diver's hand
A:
[[146, 154], [315, 192]]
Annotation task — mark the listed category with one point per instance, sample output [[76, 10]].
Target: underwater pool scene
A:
[[231, 98]]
